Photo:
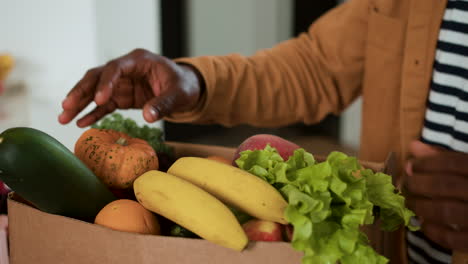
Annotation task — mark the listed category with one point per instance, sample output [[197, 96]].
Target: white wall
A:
[[218, 27], [350, 125], [124, 25], [56, 41], [272, 22]]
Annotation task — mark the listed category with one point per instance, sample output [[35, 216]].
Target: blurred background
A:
[[55, 42]]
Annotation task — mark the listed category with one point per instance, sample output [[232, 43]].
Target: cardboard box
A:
[[42, 238], [3, 247]]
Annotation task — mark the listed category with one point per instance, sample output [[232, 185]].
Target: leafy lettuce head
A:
[[329, 201]]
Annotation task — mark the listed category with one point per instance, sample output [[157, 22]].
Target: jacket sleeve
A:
[[299, 80]]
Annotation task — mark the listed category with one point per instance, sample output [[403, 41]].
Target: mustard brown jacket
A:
[[380, 49]]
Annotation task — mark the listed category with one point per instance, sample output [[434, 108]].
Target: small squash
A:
[[116, 158]]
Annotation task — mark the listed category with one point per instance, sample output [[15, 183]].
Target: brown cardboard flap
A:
[[198, 150], [38, 237], [460, 257], [4, 259]]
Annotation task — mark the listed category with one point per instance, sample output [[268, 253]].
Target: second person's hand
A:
[[437, 183], [141, 80]]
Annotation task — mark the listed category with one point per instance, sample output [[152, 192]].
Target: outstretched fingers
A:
[[98, 112], [80, 96]]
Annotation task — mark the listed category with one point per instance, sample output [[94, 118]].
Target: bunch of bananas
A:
[[195, 193], [6, 64]]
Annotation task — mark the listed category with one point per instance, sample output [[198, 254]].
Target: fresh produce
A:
[[327, 204], [44, 172], [128, 216], [6, 65], [191, 207], [114, 157], [262, 230], [284, 147], [4, 190], [233, 186], [153, 135], [180, 231]]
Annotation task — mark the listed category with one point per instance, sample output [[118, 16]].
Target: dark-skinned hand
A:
[[140, 80], [438, 193]]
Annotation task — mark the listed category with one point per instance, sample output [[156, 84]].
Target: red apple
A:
[[4, 189], [262, 230], [285, 147]]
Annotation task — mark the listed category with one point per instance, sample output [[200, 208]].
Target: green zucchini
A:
[[44, 172]]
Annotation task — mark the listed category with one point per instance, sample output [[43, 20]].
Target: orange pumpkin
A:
[[114, 157]]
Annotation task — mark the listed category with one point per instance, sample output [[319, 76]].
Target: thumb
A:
[[157, 108], [419, 149]]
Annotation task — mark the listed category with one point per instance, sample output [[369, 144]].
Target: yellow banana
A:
[[6, 64], [233, 186], [190, 207]]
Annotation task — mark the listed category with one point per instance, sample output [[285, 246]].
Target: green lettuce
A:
[[153, 135], [328, 202]]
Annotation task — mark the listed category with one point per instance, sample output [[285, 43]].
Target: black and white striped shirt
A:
[[446, 119]]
